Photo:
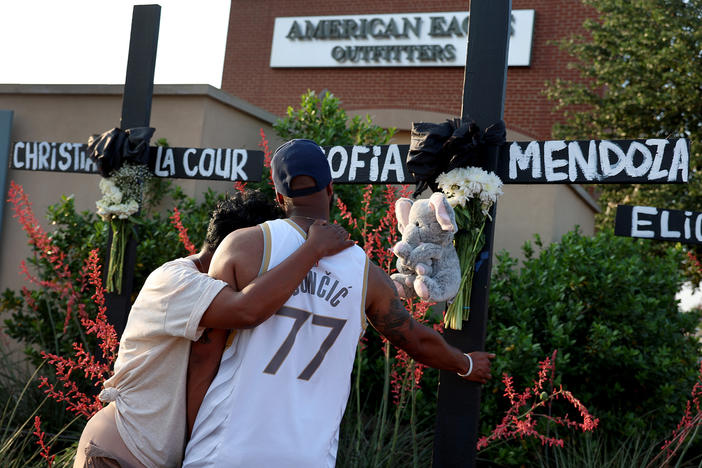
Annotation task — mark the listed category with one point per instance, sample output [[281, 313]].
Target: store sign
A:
[[389, 40]]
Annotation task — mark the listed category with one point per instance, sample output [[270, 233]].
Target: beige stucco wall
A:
[[199, 116], [547, 210], [186, 115]]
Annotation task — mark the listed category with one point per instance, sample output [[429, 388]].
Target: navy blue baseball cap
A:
[[299, 158]]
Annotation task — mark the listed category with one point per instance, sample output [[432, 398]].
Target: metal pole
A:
[[5, 132]]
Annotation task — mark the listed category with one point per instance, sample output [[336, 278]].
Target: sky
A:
[[87, 41]]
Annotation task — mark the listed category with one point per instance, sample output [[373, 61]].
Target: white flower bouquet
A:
[[471, 191], [121, 198]]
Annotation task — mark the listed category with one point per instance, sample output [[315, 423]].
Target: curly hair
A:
[[243, 209]]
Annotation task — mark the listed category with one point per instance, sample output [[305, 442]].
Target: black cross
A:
[[535, 162], [484, 85], [189, 163], [136, 112]]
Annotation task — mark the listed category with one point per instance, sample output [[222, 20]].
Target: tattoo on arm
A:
[[389, 316], [395, 322], [205, 338]]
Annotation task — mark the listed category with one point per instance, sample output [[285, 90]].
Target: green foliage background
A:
[[606, 303], [608, 306], [640, 72], [76, 234], [321, 118]]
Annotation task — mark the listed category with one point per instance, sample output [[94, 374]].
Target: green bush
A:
[[36, 318], [42, 327], [322, 118], [606, 303], [609, 307]]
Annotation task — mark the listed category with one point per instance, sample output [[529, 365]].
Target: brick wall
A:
[[247, 73]]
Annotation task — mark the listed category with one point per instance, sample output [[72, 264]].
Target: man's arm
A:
[[386, 312], [237, 262], [203, 364]]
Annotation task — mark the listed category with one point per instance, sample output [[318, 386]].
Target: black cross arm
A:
[[170, 162], [648, 222]]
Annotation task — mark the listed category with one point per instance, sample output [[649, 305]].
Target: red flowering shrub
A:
[[93, 368], [182, 232], [684, 434], [608, 305], [45, 450], [531, 410]]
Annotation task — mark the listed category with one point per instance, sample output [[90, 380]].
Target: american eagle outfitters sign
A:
[[387, 40]]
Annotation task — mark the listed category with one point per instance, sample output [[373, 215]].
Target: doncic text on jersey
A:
[[322, 287]]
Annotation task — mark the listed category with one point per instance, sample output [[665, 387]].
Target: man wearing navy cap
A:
[[282, 387]]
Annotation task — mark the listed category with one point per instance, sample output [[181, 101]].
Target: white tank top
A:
[[282, 387]]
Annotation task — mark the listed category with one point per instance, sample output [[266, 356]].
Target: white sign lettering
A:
[[637, 223], [190, 171], [366, 164], [241, 157], [224, 171], [334, 154], [196, 163], [165, 167], [642, 161], [51, 156], [654, 223], [387, 40]]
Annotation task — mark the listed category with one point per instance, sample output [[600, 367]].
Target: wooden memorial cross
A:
[[536, 162], [185, 163]]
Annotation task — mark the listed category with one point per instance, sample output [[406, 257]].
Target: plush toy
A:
[[427, 262]]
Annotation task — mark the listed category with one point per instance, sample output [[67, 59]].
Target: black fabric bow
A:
[[438, 148], [114, 147]]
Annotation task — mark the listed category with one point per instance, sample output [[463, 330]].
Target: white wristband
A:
[[470, 366]]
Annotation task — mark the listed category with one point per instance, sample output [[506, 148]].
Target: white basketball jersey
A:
[[282, 387]]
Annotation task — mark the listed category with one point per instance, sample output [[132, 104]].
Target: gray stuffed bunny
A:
[[427, 262]]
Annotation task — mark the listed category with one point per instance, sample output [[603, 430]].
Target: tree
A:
[[641, 77], [323, 120]]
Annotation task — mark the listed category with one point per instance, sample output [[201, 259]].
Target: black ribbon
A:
[[114, 147], [438, 148]]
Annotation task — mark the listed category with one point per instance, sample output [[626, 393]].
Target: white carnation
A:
[[103, 210], [471, 181], [493, 185], [459, 199], [125, 210], [110, 192], [449, 182], [462, 184]]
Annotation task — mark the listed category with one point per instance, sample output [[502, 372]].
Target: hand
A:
[[481, 367], [327, 239]]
